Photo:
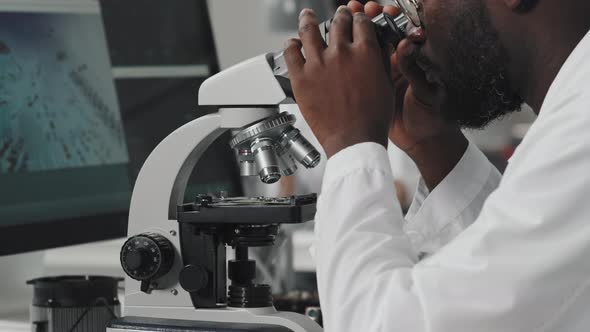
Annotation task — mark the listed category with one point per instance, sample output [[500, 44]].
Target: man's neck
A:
[[543, 71], [545, 56]]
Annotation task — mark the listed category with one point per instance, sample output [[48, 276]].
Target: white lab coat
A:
[[510, 254]]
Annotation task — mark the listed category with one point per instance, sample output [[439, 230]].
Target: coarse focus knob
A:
[[147, 256]]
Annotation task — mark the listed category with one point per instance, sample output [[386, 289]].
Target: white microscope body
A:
[[175, 255]]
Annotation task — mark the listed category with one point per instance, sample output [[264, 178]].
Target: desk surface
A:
[[15, 323]]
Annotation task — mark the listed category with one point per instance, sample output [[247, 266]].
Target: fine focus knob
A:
[[136, 259], [147, 256]]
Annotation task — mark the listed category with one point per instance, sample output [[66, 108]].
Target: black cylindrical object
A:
[[251, 296], [74, 303]]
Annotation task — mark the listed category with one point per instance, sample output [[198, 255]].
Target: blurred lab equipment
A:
[[74, 303]]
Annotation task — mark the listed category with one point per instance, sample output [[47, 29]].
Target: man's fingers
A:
[[396, 74], [417, 35], [310, 35], [341, 27], [391, 10], [355, 6], [293, 56], [364, 30], [373, 9], [386, 55], [406, 59]]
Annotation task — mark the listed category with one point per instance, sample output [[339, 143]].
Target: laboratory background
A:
[[88, 89]]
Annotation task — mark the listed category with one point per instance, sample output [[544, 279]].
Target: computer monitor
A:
[[72, 136], [63, 154]]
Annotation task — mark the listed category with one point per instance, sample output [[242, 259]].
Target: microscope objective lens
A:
[[266, 159]]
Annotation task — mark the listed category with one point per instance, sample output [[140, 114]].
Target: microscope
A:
[[175, 256]]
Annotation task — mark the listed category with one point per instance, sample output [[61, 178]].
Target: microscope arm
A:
[[250, 83], [160, 188]]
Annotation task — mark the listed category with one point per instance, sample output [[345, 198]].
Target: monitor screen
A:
[[63, 151], [63, 154]]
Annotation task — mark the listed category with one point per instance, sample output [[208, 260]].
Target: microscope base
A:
[[143, 324], [170, 319]]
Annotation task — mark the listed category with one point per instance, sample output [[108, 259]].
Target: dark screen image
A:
[[62, 146]]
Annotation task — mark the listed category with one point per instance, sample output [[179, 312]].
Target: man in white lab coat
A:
[[476, 252]]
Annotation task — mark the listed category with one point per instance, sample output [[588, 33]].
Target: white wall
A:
[[242, 30], [15, 270]]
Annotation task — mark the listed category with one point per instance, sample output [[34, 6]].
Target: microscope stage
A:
[[249, 210]]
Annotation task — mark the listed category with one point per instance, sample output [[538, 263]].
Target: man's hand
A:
[[418, 128], [344, 90]]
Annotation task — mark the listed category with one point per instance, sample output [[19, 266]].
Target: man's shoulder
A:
[[572, 83]]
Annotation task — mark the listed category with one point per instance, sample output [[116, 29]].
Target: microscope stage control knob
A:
[[147, 256]]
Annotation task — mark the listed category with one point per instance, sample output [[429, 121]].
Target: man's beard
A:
[[475, 77]]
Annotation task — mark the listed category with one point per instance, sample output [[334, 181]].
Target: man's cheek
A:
[[429, 57], [438, 17], [436, 46]]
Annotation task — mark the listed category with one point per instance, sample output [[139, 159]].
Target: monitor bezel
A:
[[33, 236]]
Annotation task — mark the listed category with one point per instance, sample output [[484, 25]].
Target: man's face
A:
[[463, 53]]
